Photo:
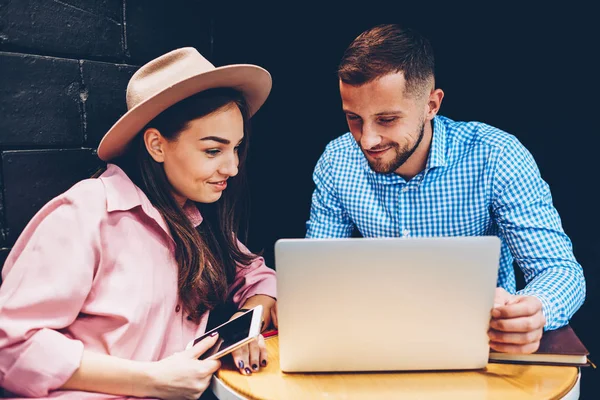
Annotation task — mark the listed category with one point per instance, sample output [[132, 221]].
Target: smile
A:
[[376, 153], [220, 185]]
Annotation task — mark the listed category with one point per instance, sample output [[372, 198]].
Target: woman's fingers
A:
[[263, 350], [254, 355], [241, 360], [249, 358]]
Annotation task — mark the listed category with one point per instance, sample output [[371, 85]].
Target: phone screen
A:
[[229, 334]]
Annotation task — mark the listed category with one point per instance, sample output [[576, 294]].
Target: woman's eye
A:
[[352, 117], [212, 152], [236, 149]]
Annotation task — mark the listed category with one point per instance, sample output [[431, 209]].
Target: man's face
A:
[[387, 123]]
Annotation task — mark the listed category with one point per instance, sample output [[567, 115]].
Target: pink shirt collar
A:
[[123, 195]]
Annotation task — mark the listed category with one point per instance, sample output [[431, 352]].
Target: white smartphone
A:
[[233, 334]]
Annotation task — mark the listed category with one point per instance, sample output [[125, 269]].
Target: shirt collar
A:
[[437, 152], [123, 195]]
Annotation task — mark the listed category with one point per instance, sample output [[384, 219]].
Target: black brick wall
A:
[[69, 28], [154, 27], [40, 101], [103, 85], [64, 68]]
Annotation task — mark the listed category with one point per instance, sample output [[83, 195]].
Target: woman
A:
[[110, 280]]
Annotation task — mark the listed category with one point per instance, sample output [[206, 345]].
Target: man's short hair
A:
[[386, 49]]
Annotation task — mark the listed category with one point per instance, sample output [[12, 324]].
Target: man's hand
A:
[[517, 323]]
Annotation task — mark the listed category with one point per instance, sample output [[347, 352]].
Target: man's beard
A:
[[401, 155]]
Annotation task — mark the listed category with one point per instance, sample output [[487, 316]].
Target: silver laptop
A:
[[385, 304]]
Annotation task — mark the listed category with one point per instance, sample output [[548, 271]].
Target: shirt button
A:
[[405, 189], [177, 308], [405, 232]]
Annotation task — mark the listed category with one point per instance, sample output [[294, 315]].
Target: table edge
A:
[[224, 392]]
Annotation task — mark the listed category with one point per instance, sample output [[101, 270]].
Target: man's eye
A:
[[387, 120]]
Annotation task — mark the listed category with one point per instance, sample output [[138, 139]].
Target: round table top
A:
[[496, 381]]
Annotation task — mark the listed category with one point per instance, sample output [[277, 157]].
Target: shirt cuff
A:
[[268, 287], [48, 361], [546, 308]]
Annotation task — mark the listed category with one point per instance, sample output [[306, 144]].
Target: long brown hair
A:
[[207, 256]]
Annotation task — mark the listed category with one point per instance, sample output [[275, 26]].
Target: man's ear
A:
[[155, 143], [434, 103]]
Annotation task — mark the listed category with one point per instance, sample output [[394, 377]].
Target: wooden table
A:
[[497, 381]]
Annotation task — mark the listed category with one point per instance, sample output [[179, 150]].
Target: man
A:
[[402, 170]]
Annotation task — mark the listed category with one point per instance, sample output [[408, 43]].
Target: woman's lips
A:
[[221, 185]]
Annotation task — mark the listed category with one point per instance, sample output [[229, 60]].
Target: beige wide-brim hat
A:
[[171, 78]]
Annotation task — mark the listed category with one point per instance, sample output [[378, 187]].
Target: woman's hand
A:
[[250, 357], [273, 313], [182, 375]]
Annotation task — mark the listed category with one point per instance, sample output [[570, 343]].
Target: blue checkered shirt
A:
[[478, 181]]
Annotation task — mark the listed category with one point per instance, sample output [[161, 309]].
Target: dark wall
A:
[[64, 67], [528, 70]]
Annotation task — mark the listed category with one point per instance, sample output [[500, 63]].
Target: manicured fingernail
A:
[[263, 363], [248, 372], [214, 334], [241, 364], [255, 367]]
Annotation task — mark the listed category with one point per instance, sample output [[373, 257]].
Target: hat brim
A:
[[252, 81]]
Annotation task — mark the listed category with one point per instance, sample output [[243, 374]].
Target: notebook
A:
[[558, 347], [385, 304]]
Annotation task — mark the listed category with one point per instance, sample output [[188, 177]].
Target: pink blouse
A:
[[95, 269]]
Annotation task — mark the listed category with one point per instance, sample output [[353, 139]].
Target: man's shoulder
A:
[[342, 149], [342, 144], [475, 133]]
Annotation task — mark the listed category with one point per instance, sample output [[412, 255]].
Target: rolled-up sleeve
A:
[[47, 277], [255, 278]]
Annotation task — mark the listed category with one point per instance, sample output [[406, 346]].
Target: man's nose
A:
[[369, 138]]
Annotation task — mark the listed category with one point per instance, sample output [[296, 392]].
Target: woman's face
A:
[[204, 155]]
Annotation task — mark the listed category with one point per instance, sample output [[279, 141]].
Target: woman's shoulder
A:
[[98, 193], [87, 196], [81, 208]]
